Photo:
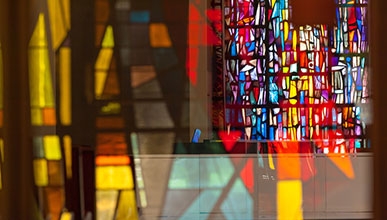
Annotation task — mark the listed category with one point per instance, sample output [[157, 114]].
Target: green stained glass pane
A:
[[38, 147]]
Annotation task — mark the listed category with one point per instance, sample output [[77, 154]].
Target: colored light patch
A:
[[203, 205], [127, 208], [40, 172], [114, 177], [247, 175], [193, 173], [112, 160], [158, 34], [288, 161], [238, 204], [229, 138], [106, 204], [343, 162], [52, 147], [65, 85], [289, 200], [57, 23]]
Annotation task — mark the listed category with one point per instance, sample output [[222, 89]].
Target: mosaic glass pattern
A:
[[295, 83]]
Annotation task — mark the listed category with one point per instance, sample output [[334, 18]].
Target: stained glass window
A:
[[295, 83]]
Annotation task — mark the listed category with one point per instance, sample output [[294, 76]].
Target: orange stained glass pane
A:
[[102, 11], [49, 117], [127, 208], [110, 122], [40, 172], [111, 144], [57, 23], [142, 74], [68, 155], [1, 118], [112, 87], [65, 85], [99, 33], [2, 149], [289, 199], [55, 173], [159, 36], [54, 201], [114, 177], [52, 147], [112, 160]]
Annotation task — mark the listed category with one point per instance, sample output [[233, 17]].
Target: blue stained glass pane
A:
[[140, 16]]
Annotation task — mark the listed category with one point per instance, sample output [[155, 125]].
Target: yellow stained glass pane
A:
[[159, 36], [289, 200], [66, 12], [65, 85], [41, 90], [52, 147], [36, 116], [106, 204], [40, 172], [66, 216], [38, 38], [100, 79], [57, 23], [108, 39], [114, 177], [68, 155], [104, 58], [127, 208]]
